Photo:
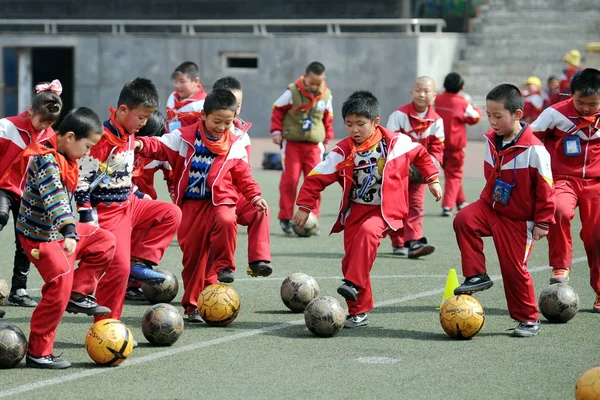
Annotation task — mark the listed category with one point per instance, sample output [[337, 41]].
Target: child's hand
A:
[[300, 218], [262, 204], [277, 138], [69, 246], [539, 233], [436, 190], [138, 145]]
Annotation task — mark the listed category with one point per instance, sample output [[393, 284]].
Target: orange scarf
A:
[[199, 95], [313, 99], [112, 139], [219, 147], [366, 145], [587, 121]]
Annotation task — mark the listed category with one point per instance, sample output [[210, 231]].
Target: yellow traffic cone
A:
[[451, 284]]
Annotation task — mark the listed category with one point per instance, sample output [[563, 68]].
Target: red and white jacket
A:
[[394, 187], [455, 112], [526, 165], [428, 131], [16, 133], [191, 106], [228, 173], [534, 104], [560, 121]]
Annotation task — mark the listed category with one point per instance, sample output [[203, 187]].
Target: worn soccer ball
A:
[[462, 317], [163, 292], [588, 385], [3, 291], [559, 302], [162, 325], [310, 228], [324, 316], [219, 304], [297, 290], [13, 345], [109, 342]]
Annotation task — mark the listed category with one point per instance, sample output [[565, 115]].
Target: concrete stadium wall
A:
[[385, 65]]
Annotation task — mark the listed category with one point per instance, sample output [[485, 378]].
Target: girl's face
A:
[[37, 121]]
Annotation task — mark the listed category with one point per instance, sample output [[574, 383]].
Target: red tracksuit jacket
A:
[[186, 111], [455, 111]]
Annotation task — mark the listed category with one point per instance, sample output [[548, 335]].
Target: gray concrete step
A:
[[538, 5]]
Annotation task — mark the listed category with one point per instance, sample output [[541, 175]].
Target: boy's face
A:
[[586, 105], [501, 120], [531, 88], [75, 148], [218, 122], [360, 128], [553, 84], [133, 120], [313, 82], [239, 97], [423, 94], [184, 86], [569, 66]]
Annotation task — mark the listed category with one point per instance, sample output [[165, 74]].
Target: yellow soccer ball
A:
[[588, 385], [462, 317], [219, 304], [109, 342]]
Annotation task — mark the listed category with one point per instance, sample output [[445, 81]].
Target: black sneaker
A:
[[286, 226], [474, 284], [21, 298], [446, 212], [46, 362], [2, 313], [259, 268], [86, 305], [527, 329], [194, 317], [348, 291], [225, 275], [354, 321], [134, 294], [419, 248]]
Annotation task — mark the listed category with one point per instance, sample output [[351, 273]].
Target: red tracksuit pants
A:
[[413, 223], [95, 251], [363, 231], [205, 228], [454, 161], [153, 223], [296, 158], [570, 193], [513, 241]]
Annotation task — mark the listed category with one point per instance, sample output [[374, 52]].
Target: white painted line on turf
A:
[[195, 346], [378, 360]]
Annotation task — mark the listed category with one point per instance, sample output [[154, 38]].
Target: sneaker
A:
[[474, 284], [559, 275], [2, 313], [400, 251], [225, 275], [595, 308], [527, 329], [21, 298], [46, 362], [86, 305], [135, 294], [354, 321], [420, 248], [446, 212], [462, 205], [194, 317], [259, 268], [135, 344], [144, 273], [286, 226], [348, 291]]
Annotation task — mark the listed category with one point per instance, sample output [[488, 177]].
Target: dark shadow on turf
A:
[[234, 326], [337, 256], [69, 345], [431, 309], [278, 312]]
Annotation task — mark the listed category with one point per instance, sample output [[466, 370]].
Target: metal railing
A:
[[259, 27]]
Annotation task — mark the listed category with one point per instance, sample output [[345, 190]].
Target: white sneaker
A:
[[400, 251]]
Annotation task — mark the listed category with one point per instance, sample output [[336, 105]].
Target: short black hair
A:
[[361, 103], [47, 105], [509, 95], [219, 99], [551, 78], [453, 82], [316, 68], [586, 82], [187, 68], [82, 121], [139, 92], [155, 126], [227, 83]]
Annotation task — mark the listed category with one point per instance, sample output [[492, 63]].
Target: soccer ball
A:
[[462, 317], [324, 316], [162, 324], [559, 302], [219, 304], [297, 290], [588, 385], [3, 291], [13, 345], [109, 342], [310, 228], [163, 292]]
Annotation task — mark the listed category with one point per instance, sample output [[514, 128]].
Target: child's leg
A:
[[397, 238], [312, 156], [291, 159], [560, 243], [259, 230], [223, 237], [453, 174], [589, 209], [363, 231], [514, 242], [413, 229], [470, 225], [21, 265]]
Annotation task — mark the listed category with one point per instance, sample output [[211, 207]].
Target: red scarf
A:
[[199, 95], [219, 147], [112, 139], [313, 99], [366, 145]]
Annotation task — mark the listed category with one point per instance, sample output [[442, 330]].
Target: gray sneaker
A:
[[21, 298], [527, 329], [286, 226], [46, 362], [446, 212], [194, 317], [86, 305], [354, 321], [400, 251]]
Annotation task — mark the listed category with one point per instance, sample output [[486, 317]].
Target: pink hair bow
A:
[[55, 86]]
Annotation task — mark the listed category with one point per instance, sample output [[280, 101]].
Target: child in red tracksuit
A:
[[211, 166], [423, 125], [456, 112], [185, 103], [54, 241], [516, 207], [571, 131], [372, 166], [16, 133], [533, 98], [104, 197]]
